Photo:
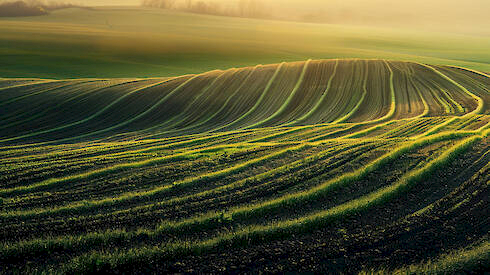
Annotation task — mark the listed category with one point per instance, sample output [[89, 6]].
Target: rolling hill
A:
[[349, 165], [101, 42]]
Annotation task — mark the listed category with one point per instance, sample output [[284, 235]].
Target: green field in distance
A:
[[102, 42]]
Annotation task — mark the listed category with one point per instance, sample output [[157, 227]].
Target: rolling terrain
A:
[[100, 42], [352, 165]]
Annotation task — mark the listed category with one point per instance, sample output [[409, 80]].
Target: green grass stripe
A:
[[421, 127], [140, 115], [424, 102], [437, 128], [288, 100], [107, 151], [436, 93], [182, 113], [450, 98], [407, 128], [369, 130], [485, 129], [383, 119], [131, 196], [259, 101], [98, 113], [47, 110], [203, 141], [91, 174], [95, 239], [392, 110], [67, 84], [258, 234], [334, 133], [469, 70], [194, 139], [463, 122], [250, 73], [88, 148], [478, 99], [286, 132], [322, 98], [41, 81], [244, 212], [461, 261], [82, 206], [315, 131], [361, 100], [447, 107]]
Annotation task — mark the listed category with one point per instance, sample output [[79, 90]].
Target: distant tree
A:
[[162, 4], [20, 8], [200, 7], [188, 4], [243, 8], [250, 8]]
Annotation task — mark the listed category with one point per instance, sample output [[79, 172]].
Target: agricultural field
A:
[[334, 165], [101, 42]]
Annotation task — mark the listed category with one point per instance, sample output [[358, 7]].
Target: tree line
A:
[[243, 8], [29, 7]]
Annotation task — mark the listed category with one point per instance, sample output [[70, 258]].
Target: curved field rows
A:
[[292, 94], [325, 165]]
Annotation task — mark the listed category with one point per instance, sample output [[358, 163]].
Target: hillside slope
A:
[[100, 42], [288, 94], [327, 166]]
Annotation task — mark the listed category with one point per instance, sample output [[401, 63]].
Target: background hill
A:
[[448, 15], [102, 42]]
